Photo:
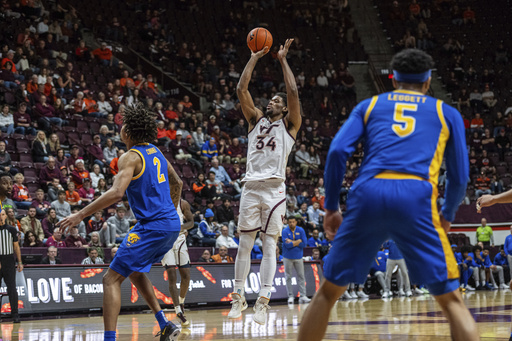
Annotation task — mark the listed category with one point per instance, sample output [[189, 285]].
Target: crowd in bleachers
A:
[[469, 43], [62, 103]]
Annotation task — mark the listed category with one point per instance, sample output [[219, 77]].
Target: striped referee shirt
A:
[[8, 235]]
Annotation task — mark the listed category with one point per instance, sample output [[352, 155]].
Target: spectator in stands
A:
[[114, 169], [6, 120], [61, 206], [234, 171], [42, 206], [30, 223], [302, 159], [482, 185], [484, 234], [51, 256], [201, 189], [477, 123], [103, 55], [96, 151], [314, 214], [109, 152], [315, 240], [21, 195], [209, 150], [236, 152], [104, 106], [96, 176], [179, 147], [488, 97], [206, 229], [496, 185], [12, 221], [220, 173], [72, 196], [291, 199], [302, 199], [80, 173], [5, 160], [93, 257], [117, 227], [226, 216], [47, 115], [469, 16], [199, 136], [102, 187], [73, 157], [502, 143], [294, 241], [86, 193], [222, 256], [240, 131], [224, 239], [213, 182], [205, 257], [49, 172], [31, 240], [56, 239], [53, 144], [463, 99], [317, 197], [40, 152], [475, 98], [95, 224], [49, 223], [22, 121], [74, 239]]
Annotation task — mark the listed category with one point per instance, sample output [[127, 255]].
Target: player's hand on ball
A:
[[332, 222], [283, 51], [260, 53], [484, 201]]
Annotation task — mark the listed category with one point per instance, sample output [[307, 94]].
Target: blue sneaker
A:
[[169, 333], [489, 287]]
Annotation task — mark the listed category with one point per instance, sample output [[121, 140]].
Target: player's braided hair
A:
[[139, 124], [412, 61]]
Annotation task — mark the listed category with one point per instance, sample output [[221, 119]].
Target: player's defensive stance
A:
[[178, 257], [405, 134], [154, 190], [262, 205]]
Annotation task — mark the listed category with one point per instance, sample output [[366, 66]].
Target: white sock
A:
[[268, 265], [243, 261], [177, 309], [182, 300]]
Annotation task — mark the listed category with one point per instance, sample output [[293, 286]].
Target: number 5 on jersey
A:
[[405, 124], [161, 177]]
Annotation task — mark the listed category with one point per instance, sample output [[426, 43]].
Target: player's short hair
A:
[[291, 217], [284, 96], [5, 174], [139, 124], [487, 248], [412, 61]]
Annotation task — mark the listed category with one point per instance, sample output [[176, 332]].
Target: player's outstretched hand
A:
[[484, 201], [72, 220], [260, 53], [332, 222], [283, 51]]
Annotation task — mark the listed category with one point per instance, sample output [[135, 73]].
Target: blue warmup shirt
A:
[[312, 242], [472, 262], [500, 260], [394, 251], [487, 260], [508, 245], [150, 195], [423, 129], [379, 263], [458, 257], [290, 251]]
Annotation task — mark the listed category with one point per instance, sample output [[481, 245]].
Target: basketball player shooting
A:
[[262, 205]]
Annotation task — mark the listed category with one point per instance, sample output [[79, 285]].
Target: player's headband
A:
[[412, 77]]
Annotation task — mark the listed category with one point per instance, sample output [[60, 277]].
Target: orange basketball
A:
[[258, 38]]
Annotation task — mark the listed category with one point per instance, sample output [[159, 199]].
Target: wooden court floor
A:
[[417, 318]]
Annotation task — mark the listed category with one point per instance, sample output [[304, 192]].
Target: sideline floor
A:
[[417, 318]]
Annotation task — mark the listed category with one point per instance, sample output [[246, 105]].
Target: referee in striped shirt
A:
[[9, 246]]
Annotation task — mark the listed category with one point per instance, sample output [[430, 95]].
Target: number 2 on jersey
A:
[[405, 124], [261, 143], [161, 177]]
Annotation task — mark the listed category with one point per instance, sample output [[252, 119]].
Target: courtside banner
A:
[[68, 288]]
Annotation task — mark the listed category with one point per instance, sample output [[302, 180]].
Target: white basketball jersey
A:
[[180, 214], [269, 145]]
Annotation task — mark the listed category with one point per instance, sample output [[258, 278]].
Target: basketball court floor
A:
[[417, 318]]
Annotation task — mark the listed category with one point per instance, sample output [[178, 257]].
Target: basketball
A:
[[258, 38]]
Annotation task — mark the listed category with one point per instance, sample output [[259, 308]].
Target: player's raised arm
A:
[[293, 118], [251, 113], [175, 183], [187, 213], [127, 164]]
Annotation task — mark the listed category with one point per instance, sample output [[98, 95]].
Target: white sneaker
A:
[[401, 292], [290, 300], [353, 295], [260, 310], [361, 294], [470, 288], [408, 293], [425, 291], [304, 299], [239, 304], [495, 287], [419, 292], [346, 295], [386, 294], [503, 286]]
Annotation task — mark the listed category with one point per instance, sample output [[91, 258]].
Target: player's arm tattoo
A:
[[175, 183]]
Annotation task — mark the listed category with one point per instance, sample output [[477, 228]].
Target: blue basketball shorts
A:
[[145, 245], [400, 209]]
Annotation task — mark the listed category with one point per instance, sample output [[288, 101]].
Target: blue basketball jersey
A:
[[149, 192]]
